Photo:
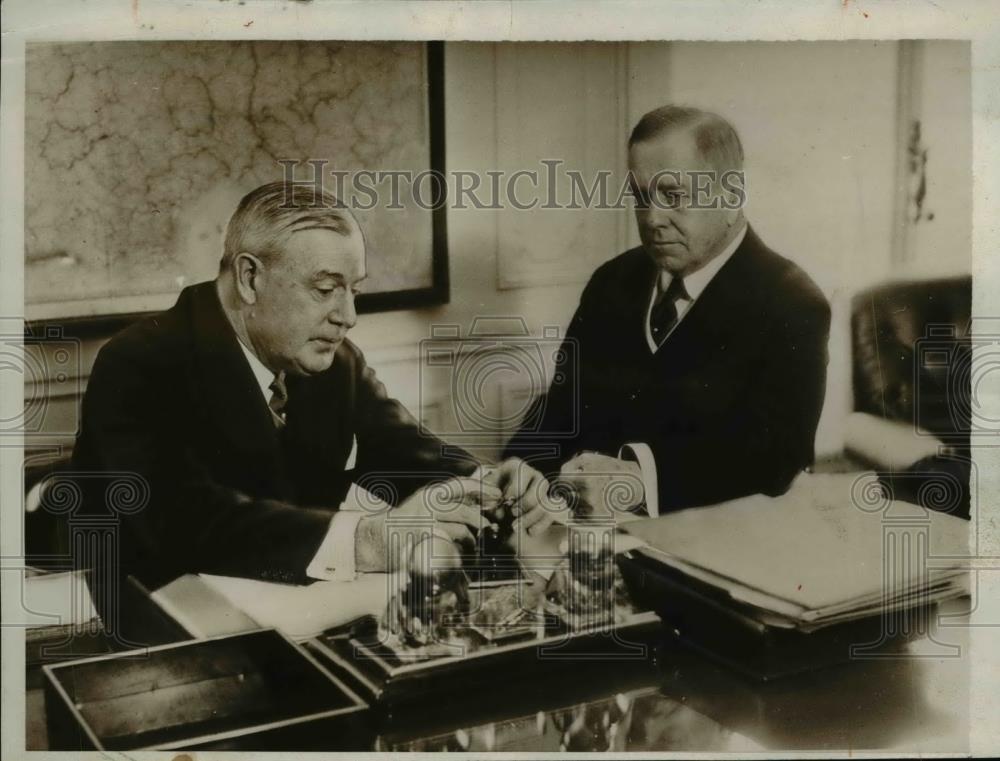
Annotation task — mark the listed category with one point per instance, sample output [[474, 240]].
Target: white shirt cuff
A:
[[643, 455], [334, 560]]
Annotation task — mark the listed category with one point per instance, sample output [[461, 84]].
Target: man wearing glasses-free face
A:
[[702, 353], [250, 414]]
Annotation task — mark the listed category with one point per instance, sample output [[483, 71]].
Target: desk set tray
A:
[[384, 668], [252, 691]]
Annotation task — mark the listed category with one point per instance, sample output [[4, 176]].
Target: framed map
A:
[[136, 154]]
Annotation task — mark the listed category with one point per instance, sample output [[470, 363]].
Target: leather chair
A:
[[46, 531], [912, 358], [912, 354]]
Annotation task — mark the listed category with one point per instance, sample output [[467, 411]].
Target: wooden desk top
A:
[[917, 700]]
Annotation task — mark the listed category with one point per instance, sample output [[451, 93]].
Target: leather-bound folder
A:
[[735, 635], [773, 586]]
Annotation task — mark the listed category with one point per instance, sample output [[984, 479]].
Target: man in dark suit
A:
[[701, 354], [240, 407]]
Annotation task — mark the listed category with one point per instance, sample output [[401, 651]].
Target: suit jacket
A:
[[729, 403], [173, 399]]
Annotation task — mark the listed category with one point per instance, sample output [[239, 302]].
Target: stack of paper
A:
[[209, 606], [305, 611], [815, 556], [53, 600]]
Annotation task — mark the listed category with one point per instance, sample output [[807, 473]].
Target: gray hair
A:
[[715, 138], [266, 217]]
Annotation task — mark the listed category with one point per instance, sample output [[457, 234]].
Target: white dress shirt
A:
[[694, 284], [335, 559], [264, 376]]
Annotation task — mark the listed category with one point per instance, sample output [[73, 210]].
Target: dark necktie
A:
[[278, 400], [664, 315]]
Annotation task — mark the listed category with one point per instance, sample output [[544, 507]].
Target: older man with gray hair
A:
[[701, 353], [250, 414]]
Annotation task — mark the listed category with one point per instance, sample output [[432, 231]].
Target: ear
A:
[[247, 269]]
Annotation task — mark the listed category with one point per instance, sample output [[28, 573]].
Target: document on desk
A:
[[55, 599], [811, 556], [208, 605], [306, 611]]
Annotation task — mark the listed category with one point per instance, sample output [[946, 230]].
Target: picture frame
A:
[[86, 313]]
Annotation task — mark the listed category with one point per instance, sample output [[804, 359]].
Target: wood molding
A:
[[908, 74], [431, 414], [574, 119]]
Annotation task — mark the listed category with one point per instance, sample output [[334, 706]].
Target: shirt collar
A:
[[697, 281], [264, 376]]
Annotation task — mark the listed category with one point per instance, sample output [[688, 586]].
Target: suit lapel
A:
[[229, 387], [727, 300], [314, 420], [318, 436], [638, 291]]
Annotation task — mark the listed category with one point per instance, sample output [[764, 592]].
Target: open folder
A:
[[814, 556], [207, 605]]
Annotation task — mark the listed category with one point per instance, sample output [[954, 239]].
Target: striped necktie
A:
[[278, 400], [664, 314]]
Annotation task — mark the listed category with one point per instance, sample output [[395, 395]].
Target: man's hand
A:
[[525, 491], [604, 486], [456, 506]]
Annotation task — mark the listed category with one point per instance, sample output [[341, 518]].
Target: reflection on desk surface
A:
[[639, 720], [916, 699]]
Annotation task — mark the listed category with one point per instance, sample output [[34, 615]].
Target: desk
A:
[[917, 701]]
